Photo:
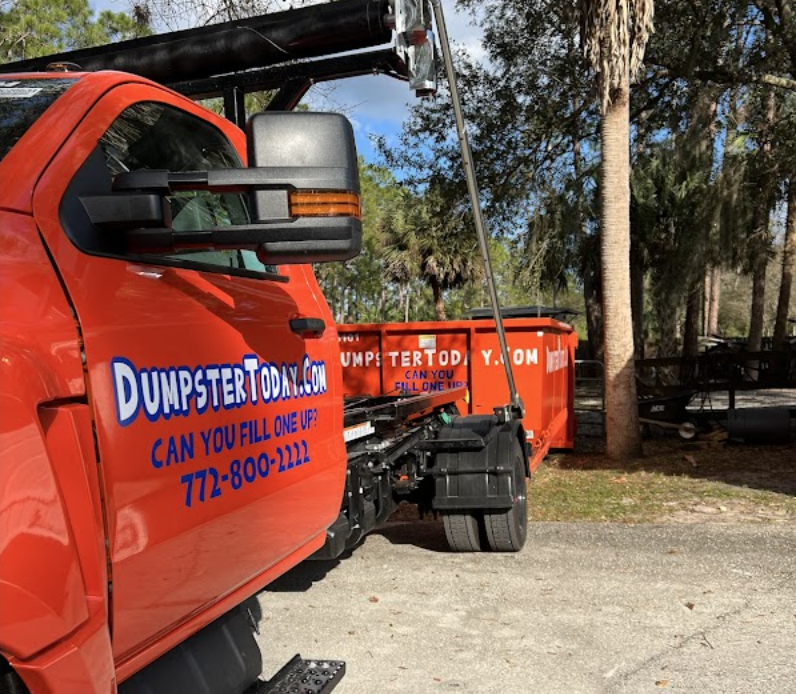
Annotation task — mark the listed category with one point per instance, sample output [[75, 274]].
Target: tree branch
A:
[[729, 77]]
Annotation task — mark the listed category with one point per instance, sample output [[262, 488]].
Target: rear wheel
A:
[[462, 531], [506, 530]]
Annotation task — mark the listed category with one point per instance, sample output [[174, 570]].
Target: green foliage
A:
[[699, 127], [409, 243], [429, 239], [33, 28], [359, 291]]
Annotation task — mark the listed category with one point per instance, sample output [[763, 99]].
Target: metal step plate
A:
[[302, 676]]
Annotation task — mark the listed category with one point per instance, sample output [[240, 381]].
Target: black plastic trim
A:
[[92, 178], [307, 325]]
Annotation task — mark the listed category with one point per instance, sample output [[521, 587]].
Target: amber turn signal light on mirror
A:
[[312, 203]]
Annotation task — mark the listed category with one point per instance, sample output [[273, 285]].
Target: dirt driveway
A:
[[584, 609]]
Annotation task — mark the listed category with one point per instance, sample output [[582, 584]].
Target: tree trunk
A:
[[637, 297], [730, 181], [667, 327], [710, 323], [408, 299], [755, 339], [622, 425], [759, 244], [706, 294], [691, 323], [592, 297], [759, 266], [715, 300], [590, 272], [760, 236], [788, 263], [439, 301]]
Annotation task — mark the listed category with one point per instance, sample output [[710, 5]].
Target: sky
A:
[[375, 104]]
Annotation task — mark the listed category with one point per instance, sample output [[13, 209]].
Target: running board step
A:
[[301, 676]]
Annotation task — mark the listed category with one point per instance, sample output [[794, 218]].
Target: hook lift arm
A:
[[515, 408]]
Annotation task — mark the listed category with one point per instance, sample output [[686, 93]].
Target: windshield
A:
[[22, 102]]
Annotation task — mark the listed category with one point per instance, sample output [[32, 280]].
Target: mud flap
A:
[[473, 464]]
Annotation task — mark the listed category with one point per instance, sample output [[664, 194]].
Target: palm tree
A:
[[430, 239], [614, 35]]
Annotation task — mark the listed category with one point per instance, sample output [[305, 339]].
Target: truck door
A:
[[219, 429]]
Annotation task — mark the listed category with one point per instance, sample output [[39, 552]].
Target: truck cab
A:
[[171, 431]]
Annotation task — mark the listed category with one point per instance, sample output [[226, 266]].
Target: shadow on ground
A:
[[405, 527], [301, 578], [424, 534]]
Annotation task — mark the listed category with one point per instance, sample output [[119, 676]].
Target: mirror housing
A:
[[302, 186], [321, 216]]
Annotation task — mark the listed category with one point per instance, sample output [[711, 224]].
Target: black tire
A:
[[506, 531], [11, 683], [462, 531]]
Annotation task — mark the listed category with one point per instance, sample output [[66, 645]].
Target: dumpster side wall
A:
[[391, 358]]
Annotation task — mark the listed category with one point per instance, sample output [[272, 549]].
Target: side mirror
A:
[[316, 154], [302, 185]]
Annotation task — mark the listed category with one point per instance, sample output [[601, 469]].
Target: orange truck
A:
[[173, 431]]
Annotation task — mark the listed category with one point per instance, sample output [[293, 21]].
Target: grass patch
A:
[[672, 482]]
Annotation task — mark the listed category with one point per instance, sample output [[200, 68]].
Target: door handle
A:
[[308, 327]]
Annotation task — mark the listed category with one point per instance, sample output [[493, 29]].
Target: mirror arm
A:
[[233, 180], [122, 211], [245, 236]]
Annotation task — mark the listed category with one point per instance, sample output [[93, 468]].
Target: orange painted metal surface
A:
[[22, 166], [392, 358], [175, 550], [79, 664], [39, 363], [204, 499]]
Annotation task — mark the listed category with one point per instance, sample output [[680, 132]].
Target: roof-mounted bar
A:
[[291, 81], [238, 45]]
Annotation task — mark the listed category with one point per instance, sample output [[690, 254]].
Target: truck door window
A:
[[22, 102], [151, 135]]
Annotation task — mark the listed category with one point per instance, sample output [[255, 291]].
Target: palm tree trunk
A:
[[439, 301], [622, 426], [788, 263]]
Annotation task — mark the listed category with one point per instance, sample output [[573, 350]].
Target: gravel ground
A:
[[584, 609]]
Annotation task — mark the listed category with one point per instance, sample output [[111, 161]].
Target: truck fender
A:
[[472, 468], [41, 583]]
